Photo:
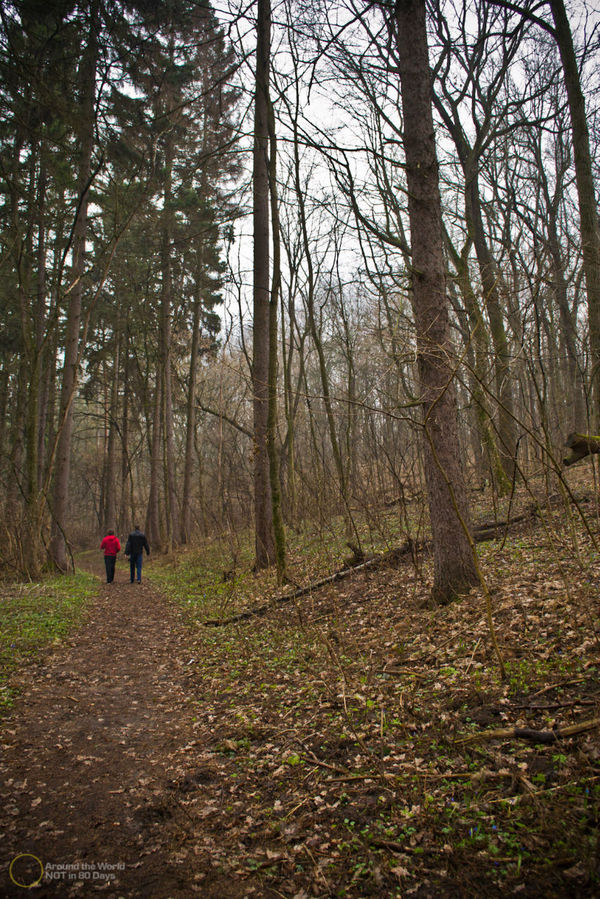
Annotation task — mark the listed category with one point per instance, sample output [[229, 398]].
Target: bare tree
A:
[[263, 507], [454, 565], [582, 157]]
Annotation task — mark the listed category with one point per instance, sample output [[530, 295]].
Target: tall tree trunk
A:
[[110, 479], [574, 389], [125, 513], [41, 320], [153, 512], [586, 189], [18, 420], [128, 512], [478, 336], [493, 302], [315, 333], [60, 500], [31, 330], [278, 526], [190, 433], [263, 508], [454, 565], [171, 503]]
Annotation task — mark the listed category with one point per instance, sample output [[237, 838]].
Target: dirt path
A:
[[95, 758]]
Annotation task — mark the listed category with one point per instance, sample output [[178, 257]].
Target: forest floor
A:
[[353, 742]]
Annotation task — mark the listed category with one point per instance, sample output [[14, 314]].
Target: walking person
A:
[[111, 546], [136, 544]]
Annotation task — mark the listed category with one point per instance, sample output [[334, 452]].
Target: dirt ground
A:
[[93, 754]]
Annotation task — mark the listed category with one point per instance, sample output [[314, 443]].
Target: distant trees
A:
[[132, 143], [131, 166]]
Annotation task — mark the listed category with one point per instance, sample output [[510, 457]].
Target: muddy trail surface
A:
[[95, 760]]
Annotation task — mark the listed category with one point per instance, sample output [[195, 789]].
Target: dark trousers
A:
[[135, 565], [109, 562]]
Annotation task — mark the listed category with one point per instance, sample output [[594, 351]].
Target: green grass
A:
[[34, 616]]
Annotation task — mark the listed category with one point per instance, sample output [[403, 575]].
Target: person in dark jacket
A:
[[136, 544], [111, 546]]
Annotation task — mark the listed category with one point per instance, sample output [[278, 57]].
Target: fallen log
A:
[[581, 445], [535, 736], [392, 557], [387, 558]]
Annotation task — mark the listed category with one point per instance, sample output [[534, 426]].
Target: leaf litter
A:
[[336, 746]]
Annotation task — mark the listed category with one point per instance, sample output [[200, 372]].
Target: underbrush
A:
[[365, 744], [35, 615]]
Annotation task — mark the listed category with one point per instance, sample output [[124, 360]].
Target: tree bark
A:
[[263, 509], [109, 512], [153, 513], [186, 508], [581, 445], [478, 338], [278, 526], [493, 302], [454, 566], [166, 304]]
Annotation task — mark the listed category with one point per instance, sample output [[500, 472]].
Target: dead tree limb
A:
[[581, 445], [388, 558], [395, 556], [535, 736]]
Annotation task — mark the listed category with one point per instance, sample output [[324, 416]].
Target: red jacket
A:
[[110, 545]]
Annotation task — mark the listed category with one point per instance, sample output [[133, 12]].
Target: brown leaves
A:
[[317, 751]]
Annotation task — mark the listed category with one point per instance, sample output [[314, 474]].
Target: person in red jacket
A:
[[111, 547]]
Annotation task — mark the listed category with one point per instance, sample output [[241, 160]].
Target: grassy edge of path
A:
[[35, 616]]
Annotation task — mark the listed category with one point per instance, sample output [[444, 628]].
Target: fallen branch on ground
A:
[[383, 559], [392, 557], [536, 736]]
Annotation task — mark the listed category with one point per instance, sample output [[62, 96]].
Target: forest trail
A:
[[94, 754]]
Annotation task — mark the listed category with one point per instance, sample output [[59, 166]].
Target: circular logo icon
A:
[[26, 870]]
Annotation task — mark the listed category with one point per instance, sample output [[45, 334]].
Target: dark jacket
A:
[[136, 542]]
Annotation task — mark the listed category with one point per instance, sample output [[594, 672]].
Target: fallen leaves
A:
[[330, 747]]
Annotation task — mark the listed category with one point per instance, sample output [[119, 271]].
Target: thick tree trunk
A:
[[32, 331], [454, 565], [263, 509], [581, 445], [278, 526], [127, 509]]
